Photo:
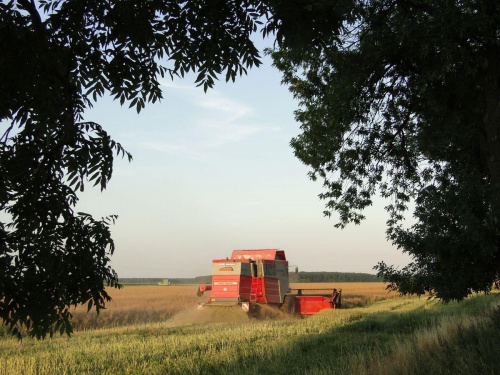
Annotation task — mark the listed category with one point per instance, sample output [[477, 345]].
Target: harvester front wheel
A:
[[254, 311], [288, 305]]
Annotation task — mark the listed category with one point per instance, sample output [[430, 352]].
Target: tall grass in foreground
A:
[[392, 336], [456, 344]]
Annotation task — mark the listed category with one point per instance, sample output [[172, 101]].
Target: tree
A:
[[58, 58], [403, 101], [56, 61]]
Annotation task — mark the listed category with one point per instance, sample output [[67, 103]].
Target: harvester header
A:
[[253, 278]]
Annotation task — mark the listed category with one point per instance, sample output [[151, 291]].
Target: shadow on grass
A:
[[360, 346]]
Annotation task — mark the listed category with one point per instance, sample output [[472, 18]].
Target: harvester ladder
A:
[[255, 289]]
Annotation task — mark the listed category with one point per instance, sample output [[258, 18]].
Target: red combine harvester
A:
[[255, 278]]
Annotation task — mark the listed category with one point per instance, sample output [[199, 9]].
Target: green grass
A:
[[410, 336]]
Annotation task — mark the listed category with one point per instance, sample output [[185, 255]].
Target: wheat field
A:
[[146, 304], [138, 304], [158, 330], [393, 336]]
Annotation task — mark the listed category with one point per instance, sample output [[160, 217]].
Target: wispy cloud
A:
[[217, 122], [171, 85], [191, 149], [213, 103], [218, 104]]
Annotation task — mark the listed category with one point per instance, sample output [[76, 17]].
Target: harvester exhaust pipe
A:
[[203, 288]]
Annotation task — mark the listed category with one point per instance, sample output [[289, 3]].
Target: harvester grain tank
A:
[[255, 278]]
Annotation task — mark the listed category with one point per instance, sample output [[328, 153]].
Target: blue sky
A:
[[215, 172]]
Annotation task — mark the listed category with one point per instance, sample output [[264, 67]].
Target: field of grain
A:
[[139, 304], [146, 304], [393, 336]]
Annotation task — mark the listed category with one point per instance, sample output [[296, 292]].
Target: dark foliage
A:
[[404, 101]]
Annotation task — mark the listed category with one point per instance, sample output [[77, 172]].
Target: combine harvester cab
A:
[[255, 278]]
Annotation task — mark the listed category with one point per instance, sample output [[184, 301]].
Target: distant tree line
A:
[[173, 281], [332, 277], [140, 280], [300, 277], [194, 280]]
